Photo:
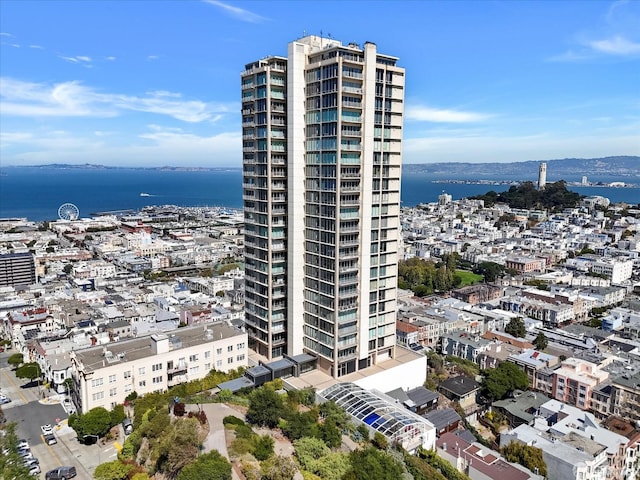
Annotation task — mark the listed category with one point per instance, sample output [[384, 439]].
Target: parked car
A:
[[25, 453], [50, 439], [31, 461], [35, 470], [61, 473], [46, 429], [22, 443], [4, 399]]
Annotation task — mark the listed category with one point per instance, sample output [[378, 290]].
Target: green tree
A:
[[265, 407], [498, 382], [330, 433], [68, 268], [179, 446], [29, 371], [301, 424], [373, 464], [279, 468], [117, 414], [208, 466], [96, 421], [309, 450], [332, 410], [115, 470], [263, 447], [527, 456], [15, 360], [490, 270], [540, 342], [380, 441], [333, 466], [516, 327]]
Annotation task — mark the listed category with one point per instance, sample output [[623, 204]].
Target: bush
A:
[[263, 447], [232, 420], [179, 409]]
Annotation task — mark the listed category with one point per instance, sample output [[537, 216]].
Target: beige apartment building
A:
[[105, 375]]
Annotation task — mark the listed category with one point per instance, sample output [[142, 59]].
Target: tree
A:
[[68, 268], [380, 441], [490, 270], [309, 450], [263, 447], [265, 407], [208, 466], [330, 433], [497, 383], [516, 328], [373, 464], [527, 456], [115, 470], [96, 421], [15, 360], [540, 342], [29, 371], [279, 468]]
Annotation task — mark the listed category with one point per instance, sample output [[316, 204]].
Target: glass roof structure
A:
[[382, 414]]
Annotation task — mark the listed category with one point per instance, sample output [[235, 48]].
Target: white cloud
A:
[[72, 99], [110, 58], [38, 47], [426, 114], [161, 146], [569, 56], [5, 34], [76, 59], [152, 57], [236, 12], [616, 45]]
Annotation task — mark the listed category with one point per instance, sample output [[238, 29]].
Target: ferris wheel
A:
[[68, 211]]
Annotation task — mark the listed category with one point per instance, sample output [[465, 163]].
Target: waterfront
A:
[[36, 193]]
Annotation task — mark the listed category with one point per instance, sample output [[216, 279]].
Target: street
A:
[[29, 411]]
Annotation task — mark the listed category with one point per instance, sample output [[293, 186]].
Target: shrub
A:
[[232, 420]]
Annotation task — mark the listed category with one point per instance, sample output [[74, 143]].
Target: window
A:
[[156, 367], [219, 351], [157, 379], [218, 363], [240, 346], [113, 392], [96, 382], [98, 396], [193, 358], [141, 371], [194, 370], [240, 358], [207, 354], [230, 348], [230, 360], [207, 366], [142, 383], [112, 379], [127, 374], [128, 388]]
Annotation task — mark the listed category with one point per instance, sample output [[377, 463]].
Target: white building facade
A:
[[105, 375], [322, 144]]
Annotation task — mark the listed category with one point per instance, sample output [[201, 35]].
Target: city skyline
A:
[[156, 83]]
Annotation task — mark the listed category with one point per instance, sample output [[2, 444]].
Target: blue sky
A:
[[149, 83]]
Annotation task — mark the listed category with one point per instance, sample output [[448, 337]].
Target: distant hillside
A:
[[613, 166]]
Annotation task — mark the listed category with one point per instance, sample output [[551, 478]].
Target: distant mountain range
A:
[[613, 166]]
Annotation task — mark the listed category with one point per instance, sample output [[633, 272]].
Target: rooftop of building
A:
[[99, 357], [460, 385]]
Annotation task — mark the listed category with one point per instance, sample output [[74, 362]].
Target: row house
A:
[[551, 315], [465, 346]]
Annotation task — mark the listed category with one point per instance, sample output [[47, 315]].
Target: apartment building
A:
[[17, 269], [575, 380], [105, 375], [322, 131]]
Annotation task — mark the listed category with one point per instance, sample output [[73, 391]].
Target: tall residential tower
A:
[[322, 148]]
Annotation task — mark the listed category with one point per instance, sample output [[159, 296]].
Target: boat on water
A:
[[144, 194]]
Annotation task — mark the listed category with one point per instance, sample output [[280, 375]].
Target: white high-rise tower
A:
[[322, 149]]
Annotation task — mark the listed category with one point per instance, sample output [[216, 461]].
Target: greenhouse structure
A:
[[381, 413]]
